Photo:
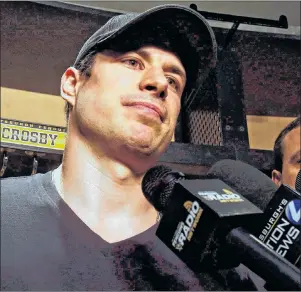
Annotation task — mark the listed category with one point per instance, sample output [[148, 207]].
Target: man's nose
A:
[[154, 82]]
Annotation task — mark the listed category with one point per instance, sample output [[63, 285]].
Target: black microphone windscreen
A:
[[298, 182], [254, 185], [157, 185], [152, 177]]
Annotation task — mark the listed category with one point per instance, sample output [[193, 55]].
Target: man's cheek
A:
[[130, 79], [295, 173], [289, 176], [122, 81]]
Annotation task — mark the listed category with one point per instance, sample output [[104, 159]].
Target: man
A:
[[87, 225], [287, 155]]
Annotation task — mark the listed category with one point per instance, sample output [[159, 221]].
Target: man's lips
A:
[[149, 106]]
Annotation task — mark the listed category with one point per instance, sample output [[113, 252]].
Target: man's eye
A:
[[172, 83], [132, 63]]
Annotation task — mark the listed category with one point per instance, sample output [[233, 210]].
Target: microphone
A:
[[279, 228], [202, 222]]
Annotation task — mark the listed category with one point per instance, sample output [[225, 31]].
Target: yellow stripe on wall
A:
[[32, 107], [263, 130], [49, 109]]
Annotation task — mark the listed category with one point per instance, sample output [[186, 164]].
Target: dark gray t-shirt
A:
[[45, 246]]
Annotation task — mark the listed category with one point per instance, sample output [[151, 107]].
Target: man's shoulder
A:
[[18, 184], [23, 189], [14, 182]]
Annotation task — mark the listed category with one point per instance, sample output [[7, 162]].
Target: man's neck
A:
[[102, 190]]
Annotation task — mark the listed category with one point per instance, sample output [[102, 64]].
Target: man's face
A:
[[131, 100], [291, 158]]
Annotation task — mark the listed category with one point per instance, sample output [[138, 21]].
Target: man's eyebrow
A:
[[176, 70], [172, 68]]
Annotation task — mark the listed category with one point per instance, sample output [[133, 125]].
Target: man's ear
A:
[[69, 85], [277, 177]]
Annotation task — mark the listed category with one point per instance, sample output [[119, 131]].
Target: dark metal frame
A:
[[231, 103], [281, 23]]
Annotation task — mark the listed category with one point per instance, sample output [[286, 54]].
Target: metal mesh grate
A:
[[204, 127]]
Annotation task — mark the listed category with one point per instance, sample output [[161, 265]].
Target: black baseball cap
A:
[[179, 28]]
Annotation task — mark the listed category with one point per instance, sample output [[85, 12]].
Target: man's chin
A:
[[146, 140], [142, 134], [149, 149], [141, 148]]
